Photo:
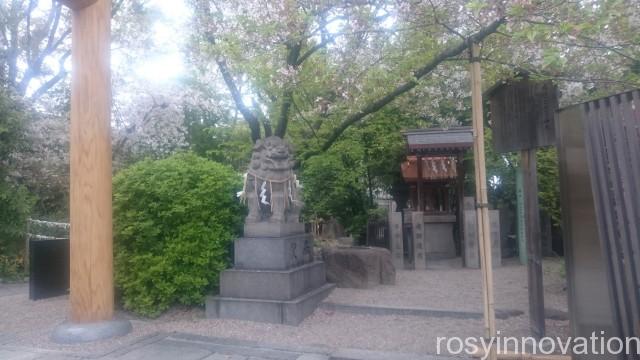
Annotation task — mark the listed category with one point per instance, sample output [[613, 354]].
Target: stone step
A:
[[273, 253], [272, 284], [290, 312]]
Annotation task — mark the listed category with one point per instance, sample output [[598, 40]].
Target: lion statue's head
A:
[[271, 158]]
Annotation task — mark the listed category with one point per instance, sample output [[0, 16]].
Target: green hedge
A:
[[174, 221], [16, 202], [15, 206]]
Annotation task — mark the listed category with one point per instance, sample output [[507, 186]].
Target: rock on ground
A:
[[359, 267]]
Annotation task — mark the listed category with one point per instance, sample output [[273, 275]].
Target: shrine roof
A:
[[438, 140]]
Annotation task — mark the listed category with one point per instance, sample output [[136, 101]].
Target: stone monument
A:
[[471, 245], [275, 278]]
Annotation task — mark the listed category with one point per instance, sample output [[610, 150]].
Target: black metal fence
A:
[[378, 234], [612, 137]]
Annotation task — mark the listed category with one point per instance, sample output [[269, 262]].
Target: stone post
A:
[[397, 245], [419, 253]]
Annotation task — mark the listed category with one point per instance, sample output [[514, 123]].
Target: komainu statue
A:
[[270, 187]]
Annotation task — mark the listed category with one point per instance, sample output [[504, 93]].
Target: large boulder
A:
[[359, 267]]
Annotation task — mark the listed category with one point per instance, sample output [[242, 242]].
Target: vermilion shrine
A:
[[436, 225]]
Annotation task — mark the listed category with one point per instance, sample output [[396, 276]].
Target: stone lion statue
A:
[[270, 185]]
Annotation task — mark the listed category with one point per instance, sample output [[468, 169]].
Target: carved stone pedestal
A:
[[274, 280]]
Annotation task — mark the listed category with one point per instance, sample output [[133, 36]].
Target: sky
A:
[[166, 62]]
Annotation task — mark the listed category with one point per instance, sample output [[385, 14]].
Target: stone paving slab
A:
[[18, 353], [170, 346], [167, 351], [396, 310], [552, 314]]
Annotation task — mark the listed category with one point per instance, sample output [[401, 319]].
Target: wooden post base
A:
[[74, 333]]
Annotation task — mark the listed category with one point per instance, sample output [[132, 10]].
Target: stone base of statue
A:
[[275, 278], [268, 229]]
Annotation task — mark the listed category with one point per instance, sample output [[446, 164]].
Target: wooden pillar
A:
[[482, 206], [91, 294], [520, 214], [420, 183], [534, 250]]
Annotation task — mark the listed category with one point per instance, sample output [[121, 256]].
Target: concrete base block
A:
[[265, 253], [272, 284], [73, 333], [291, 312], [439, 243], [269, 229]]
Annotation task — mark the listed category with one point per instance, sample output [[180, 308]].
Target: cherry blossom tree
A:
[[321, 67]]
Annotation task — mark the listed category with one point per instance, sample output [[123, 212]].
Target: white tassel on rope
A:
[[298, 186], [263, 193], [290, 191], [242, 195], [271, 193]]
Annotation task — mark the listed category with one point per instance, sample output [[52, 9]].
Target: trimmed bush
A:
[[15, 207], [174, 221], [16, 202]]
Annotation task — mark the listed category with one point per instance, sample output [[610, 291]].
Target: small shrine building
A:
[[433, 222]]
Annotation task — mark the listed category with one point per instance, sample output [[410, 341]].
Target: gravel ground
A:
[[27, 323], [461, 289]]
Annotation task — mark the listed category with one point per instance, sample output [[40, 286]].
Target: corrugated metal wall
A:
[[612, 136], [590, 305]]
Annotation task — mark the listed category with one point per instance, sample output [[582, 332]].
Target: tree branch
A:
[[12, 53], [443, 24], [53, 21], [313, 131], [61, 39], [283, 119], [249, 117], [266, 124], [52, 45], [34, 68], [32, 5], [116, 7], [5, 40], [62, 73], [285, 107], [312, 50], [605, 46], [557, 76], [378, 104]]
